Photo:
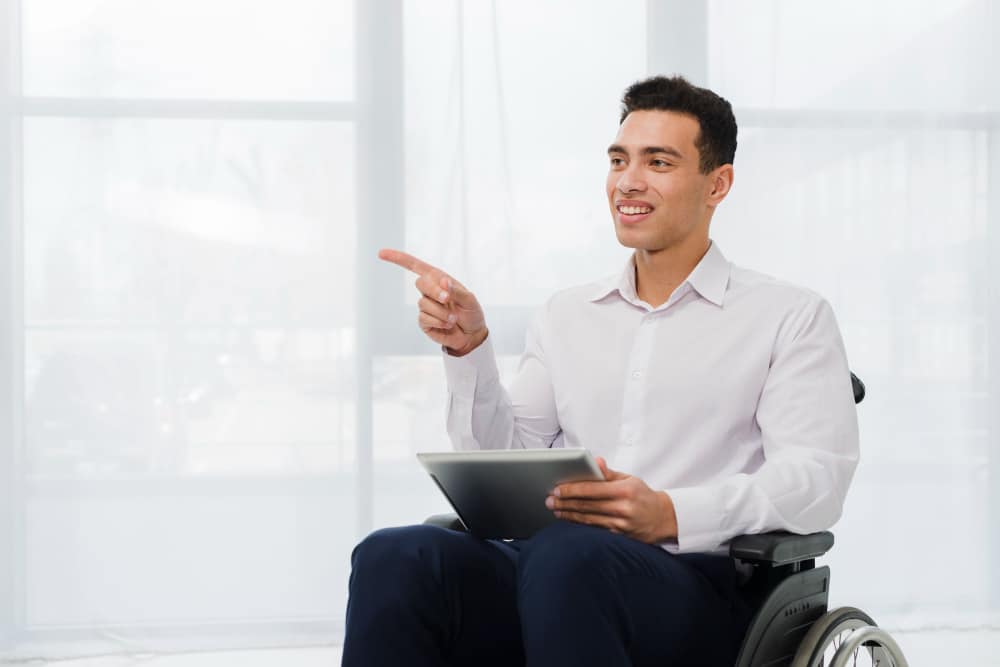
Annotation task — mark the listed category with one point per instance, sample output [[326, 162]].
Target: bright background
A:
[[213, 389]]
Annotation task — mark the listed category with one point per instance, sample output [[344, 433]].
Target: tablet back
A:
[[501, 494]]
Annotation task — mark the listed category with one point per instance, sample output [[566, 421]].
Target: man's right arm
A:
[[482, 414]]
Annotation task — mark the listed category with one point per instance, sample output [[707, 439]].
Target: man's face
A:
[[656, 192]]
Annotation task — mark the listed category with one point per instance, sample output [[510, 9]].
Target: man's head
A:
[[671, 163], [717, 140]]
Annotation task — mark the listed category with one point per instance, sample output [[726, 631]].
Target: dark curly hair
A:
[[716, 142]]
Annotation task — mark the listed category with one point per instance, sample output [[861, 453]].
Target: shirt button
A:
[[628, 442], [636, 374]]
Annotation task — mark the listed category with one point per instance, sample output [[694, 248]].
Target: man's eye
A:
[[617, 161], [660, 163]]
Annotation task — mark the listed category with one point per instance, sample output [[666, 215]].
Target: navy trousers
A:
[[571, 595]]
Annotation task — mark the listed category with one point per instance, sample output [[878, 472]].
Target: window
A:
[[215, 389]]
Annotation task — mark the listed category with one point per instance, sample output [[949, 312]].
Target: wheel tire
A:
[[827, 626]]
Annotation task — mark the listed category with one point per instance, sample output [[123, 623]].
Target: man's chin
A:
[[633, 240]]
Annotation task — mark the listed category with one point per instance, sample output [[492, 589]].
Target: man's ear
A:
[[722, 183]]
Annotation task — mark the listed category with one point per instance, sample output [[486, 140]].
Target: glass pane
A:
[[190, 387], [156, 560], [237, 49], [893, 199], [189, 222], [859, 55], [189, 297], [505, 150], [105, 403]]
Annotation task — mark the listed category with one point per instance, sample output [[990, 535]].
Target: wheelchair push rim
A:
[[847, 636]]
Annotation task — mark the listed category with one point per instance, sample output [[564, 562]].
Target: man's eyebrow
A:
[[648, 150]]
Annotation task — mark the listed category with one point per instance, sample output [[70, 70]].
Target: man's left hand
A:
[[621, 503]]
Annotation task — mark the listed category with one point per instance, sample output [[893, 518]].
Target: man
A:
[[718, 401]]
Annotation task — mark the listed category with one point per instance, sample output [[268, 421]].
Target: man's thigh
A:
[[607, 595], [431, 590]]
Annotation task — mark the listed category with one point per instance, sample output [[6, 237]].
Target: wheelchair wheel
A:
[[847, 636]]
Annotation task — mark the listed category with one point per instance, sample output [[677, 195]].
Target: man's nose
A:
[[630, 181]]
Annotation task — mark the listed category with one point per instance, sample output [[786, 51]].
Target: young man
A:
[[718, 401]]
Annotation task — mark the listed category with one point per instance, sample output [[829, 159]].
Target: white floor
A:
[[969, 648]]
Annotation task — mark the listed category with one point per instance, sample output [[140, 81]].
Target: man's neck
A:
[[658, 273]]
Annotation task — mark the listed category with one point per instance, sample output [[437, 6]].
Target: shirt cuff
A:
[[464, 373], [699, 519]]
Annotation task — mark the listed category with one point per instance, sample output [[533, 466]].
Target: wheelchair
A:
[[792, 626]]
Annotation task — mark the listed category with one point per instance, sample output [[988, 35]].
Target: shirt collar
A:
[[709, 278]]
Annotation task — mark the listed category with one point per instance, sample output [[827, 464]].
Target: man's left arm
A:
[[809, 432]]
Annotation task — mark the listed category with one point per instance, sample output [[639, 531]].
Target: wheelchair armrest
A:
[[776, 548], [449, 521], [780, 547]]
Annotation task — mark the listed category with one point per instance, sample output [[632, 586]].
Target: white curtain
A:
[[214, 388]]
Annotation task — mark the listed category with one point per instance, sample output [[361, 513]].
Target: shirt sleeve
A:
[[809, 433], [482, 414]]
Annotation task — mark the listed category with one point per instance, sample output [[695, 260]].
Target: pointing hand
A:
[[449, 314]]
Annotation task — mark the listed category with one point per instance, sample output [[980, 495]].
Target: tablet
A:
[[500, 494]]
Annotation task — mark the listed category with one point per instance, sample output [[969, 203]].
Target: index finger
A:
[[405, 260], [592, 490]]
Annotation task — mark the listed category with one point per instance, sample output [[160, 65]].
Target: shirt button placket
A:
[[633, 395]]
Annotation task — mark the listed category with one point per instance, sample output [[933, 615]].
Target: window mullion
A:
[[11, 333], [993, 356], [380, 207], [677, 39], [86, 107]]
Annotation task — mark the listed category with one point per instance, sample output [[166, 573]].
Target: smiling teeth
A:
[[633, 210]]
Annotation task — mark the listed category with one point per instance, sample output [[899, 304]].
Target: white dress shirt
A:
[[734, 397]]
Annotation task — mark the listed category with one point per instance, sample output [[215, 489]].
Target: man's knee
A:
[[566, 551], [398, 553]]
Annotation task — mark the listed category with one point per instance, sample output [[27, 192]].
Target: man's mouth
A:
[[632, 213], [634, 210]]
